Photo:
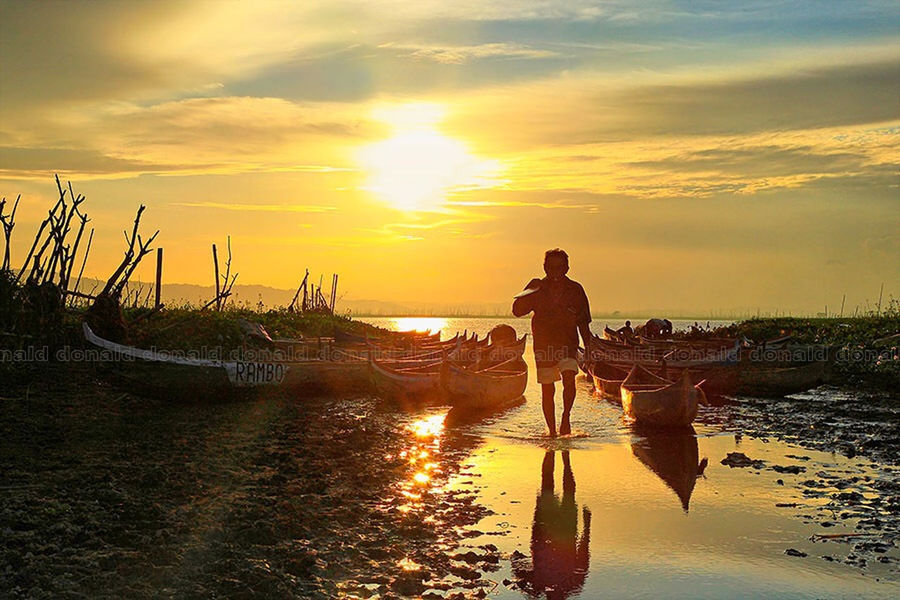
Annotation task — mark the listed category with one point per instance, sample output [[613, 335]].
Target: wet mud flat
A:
[[845, 421], [104, 494], [857, 502]]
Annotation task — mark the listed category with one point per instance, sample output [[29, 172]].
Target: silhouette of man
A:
[[561, 312], [559, 558]]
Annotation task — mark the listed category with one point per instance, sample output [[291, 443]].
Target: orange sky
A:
[[688, 157]]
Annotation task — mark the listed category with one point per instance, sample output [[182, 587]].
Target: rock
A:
[[740, 460], [793, 469], [409, 584], [793, 552]]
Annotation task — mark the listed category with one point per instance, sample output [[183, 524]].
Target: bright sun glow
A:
[[417, 167], [429, 324]]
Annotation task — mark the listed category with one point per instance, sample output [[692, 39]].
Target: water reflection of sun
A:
[[430, 324], [423, 468]]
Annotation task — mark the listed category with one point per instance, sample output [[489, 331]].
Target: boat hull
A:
[[482, 390], [406, 387], [657, 404], [171, 375], [775, 382]]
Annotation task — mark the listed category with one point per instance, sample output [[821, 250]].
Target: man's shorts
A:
[[552, 373]]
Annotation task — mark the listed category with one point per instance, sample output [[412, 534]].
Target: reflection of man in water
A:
[[559, 558]]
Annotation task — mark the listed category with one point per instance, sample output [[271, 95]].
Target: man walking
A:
[[561, 312]]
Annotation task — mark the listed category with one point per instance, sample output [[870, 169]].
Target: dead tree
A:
[[105, 314], [8, 221], [302, 288], [223, 288]]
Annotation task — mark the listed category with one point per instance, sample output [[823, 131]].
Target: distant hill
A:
[[271, 297]]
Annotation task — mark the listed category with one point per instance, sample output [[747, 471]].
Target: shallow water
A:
[[658, 528]]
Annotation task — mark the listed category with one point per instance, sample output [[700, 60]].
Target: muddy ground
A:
[[106, 494]]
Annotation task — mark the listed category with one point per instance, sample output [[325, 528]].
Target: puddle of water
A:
[[627, 519]]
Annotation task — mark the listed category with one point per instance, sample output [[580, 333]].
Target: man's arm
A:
[[524, 305], [584, 320]]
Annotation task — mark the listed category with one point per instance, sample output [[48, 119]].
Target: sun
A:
[[419, 166]]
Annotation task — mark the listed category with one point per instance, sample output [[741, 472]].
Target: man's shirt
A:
[[559, 308]]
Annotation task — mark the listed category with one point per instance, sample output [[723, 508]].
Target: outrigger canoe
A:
[[651, 400]]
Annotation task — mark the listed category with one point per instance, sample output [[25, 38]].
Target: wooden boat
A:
[[483, 388], [651, 400], [422, 378], [607, 379], [673, 456], [768, 381], [192, 376], [408, 382], [614, 336]]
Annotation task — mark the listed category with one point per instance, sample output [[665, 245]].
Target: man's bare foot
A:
[[552, 433], [565, 428]]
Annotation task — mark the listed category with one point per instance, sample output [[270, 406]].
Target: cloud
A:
[[462, 54], [758, 161], [226, 134], [287, 208], [40, 162]]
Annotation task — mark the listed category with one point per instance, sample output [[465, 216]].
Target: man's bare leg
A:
[[548, 391], [568, 378]]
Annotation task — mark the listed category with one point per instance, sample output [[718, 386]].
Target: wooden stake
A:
[[159, 258], [333, 291], [216, 265], [880, 294]]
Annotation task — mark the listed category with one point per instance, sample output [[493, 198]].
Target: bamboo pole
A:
[[159, 259], [333, 291], [216, 266], [84, 260]]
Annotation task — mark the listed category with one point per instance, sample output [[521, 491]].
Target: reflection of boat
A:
[[672, 456], [462, 415], [651, 400]]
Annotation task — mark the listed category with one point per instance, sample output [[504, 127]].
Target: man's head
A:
[[556, 263], [627, 323]]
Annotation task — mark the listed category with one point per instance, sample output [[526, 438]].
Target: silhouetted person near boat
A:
[[559, 557], [561, 311], [626, 329]]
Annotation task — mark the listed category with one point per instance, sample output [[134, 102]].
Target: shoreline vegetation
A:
[[865, 348]]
